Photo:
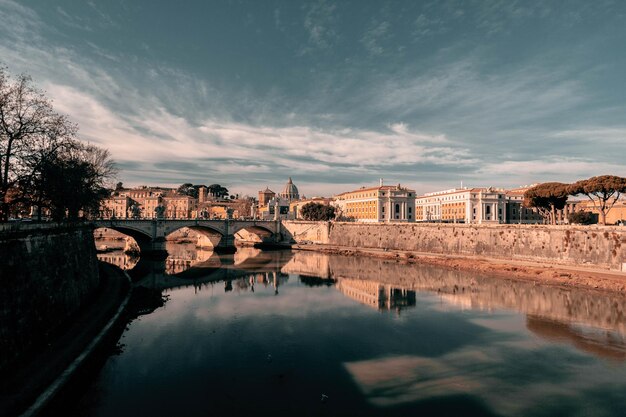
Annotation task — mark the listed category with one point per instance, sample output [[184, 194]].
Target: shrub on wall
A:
[[582, 217]]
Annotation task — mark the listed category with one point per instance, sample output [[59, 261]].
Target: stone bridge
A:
[[150, 234]]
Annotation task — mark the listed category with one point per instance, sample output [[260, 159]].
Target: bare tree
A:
[[603, 191], [30, 133]]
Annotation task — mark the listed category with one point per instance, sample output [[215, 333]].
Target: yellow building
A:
[[617, 214], [180, 207], [265, 196], [115, 207], [385, 203], [143, 201]]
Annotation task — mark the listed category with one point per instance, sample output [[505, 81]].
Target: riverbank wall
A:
[[602, 247], [47, 272]]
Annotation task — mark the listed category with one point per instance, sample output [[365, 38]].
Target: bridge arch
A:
[[253, 234], [208, 237], [201, 227], [143, 238]]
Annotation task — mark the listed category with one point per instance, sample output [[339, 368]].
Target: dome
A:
[[291, 191]]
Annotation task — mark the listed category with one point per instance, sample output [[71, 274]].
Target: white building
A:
[[474, 205]]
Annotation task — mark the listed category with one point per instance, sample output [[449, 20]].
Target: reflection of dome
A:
[[290, 192]]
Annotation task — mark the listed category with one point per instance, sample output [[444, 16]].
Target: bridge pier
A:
[[226, 245], [155, 249]]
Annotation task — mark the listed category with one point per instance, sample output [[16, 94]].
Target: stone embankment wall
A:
[[603, 247], [46, 273], [306, 232]]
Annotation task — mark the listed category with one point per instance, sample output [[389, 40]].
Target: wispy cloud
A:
[[426, 27], [372, 38], [75, 22], [442, 110], [549, 169], [319, 24]]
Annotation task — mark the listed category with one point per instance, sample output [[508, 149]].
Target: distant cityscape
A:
[[370, 204]]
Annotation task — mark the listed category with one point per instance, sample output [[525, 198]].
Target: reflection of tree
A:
[[311, 281], [145, 301], [605, 344]]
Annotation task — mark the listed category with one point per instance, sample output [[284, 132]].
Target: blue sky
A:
[[335, 94]]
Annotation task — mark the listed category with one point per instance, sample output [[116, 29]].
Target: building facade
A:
[[272, 206], [290, 192], [143, 203], [476, 206], [385, 203], [265, 196]]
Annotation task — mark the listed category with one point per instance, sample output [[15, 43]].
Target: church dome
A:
[[291, 191]]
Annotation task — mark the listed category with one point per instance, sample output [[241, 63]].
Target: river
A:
[[306, 334]]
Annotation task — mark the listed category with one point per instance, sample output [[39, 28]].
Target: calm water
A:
[[293, 334]]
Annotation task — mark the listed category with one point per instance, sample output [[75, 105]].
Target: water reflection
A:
[[238, 328], [181, 256], [377, 295]]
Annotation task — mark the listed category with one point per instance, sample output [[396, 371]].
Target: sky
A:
[[335, 94]]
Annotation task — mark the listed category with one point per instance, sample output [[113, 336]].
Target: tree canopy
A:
[[188, 189], [74, 182], [317, 211], [42, 163], [218, 191], [602, 190], [547, 198]]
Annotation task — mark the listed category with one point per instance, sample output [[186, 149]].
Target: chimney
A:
[[381, 182]]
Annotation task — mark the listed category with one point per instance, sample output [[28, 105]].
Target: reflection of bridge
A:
[[150, 234], [152, 273]]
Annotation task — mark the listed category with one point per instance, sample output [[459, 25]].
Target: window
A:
[[410, 210], [397, 208], [383, 209]]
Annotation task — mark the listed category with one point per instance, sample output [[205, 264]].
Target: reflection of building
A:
[[119, 259], [377, 295], [384, 203]]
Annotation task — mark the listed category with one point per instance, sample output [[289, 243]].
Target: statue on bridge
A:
[[159, 211], [135, 211]]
